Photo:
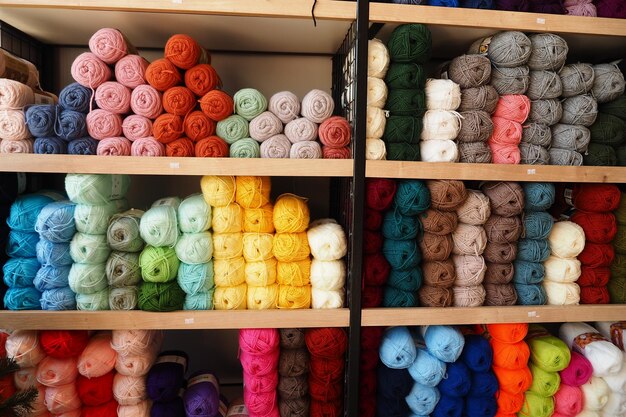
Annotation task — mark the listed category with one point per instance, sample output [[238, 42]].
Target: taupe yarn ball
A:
[[476, 209], [576, 79], [500, 253], [292, 338], [500, 229], [533, 154], [608, 84], [483, 98], [544, 85], [537, 134], [565, 157], [499, 274], [505, 49], [473, 296], [468, 239], [579, 110], [573, 137], [506, 197], [547, 112], [470, 70], [500, 295], [474, 152], [549, 51], [298, 407], [470, 270], [293, 362], [510, 80], [476, 126], [292, 387]]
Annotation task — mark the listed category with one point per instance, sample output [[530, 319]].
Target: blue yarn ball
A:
[[448, 407], [444, 342], [58, 299], [444, 3], [538, 196], [50, 145], [196, 278], [477, 4], [40, 119], [422, 399], [56, 222], [397, 349], [20, 272], [397, 226], [22, 244], [71, 125], [53, 254], [481, 406], [530, 295], [406, 279], [528, 273], [426, 369], [457, 381], [49, 277], [483, 385], [82, 146], [477, 353], [392, 406], [25, 209], [537, 224], [393, 383], [412, 197], [402, 254], [25, 298], [75, 97], [533, 250]]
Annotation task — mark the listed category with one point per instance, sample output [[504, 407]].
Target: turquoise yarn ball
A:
[[202, 300], [53, 254], [393, 297], [397, 349], [406, 279], [26, 298], [22, 244], [402, 254], [94, 301], [537, 224], [87, 279], [56, 222], [397, 226], [89, 249], [58, 299], [20, 272], [194, 214], [427, 369], [530, 295], [412, 197], [193, 279], [527, 273], [533, 250], [538, 196], [26, 208], [49, 277]]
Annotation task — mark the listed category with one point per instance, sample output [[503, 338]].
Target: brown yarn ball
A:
[[475, 210], [435, 247], [293, 362], [438, 222], [473, 296], [292, 387], [500, 253], [446, 195], [483, 98], [500, 295], [474, 153], [435, 296], [439, 273], [507, 198], [500, 229], [499, 273], [476, 126], [292, 338], [298, 407], [470, 270], [468, 239], [537, 134], [470, 70]]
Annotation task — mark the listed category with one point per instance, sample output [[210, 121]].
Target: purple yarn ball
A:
[[167, 376], [202, 396], [174, 408], [513, 5]]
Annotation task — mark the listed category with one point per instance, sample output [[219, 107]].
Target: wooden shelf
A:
[[494, 172], [87, 164], [177, 320], [476, 315]]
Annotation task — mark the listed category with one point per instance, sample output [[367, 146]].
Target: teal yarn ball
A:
[[537, 224], [194, 214], [157, 296], [202, 300], [530, 295], [245, 148], [400, 227], [232, 128], [405, 76], [527, 273], [538, 196], [94, 301], [402, 254], [56, 222], [406, 102], [20, 272], [600, 155], [427, 369], [53, 254], [49, 277], [195, 248], [403, 152], [394, 297], [249, 103], [94, 219], [533, 250], [26, 208], [403, 129], [159, 226], [194, 279], [26, 298], [87, 279], [406, 279], [96, 188], [22, 244], [89, 249], [412, 197], [410, 43], [58, 299]]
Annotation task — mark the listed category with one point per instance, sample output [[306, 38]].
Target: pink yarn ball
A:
[[265, 404], [114, 97], [136, 342], [135, 365], [53, 372], [23, 346], [116, 146], [109, 45], [90, 71], [580, 7], [103, 124], [568, 400], [259, 365], [147, 147], [146, 101], [135, 127], [25, 378], [98, 358], [258, 341], [131, 70], [62, 399]]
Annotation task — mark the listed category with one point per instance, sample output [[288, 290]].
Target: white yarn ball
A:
[[617, 381], [606, 329], [328, 275], [376, 92], [442, 94], [605, 357], [595, 394], [561, 293], [377, 58], [561, 269], [615, 406], [589, 413], [441, 125], [439, 151], [326, 299], [376, 121], [567, 239], [375, 149], [327, 241]]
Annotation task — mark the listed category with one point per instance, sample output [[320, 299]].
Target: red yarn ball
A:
[[594, 277], [594, 295], [372, 242], [371, 296], [373, 219], [379, 193], [367, 406], [324, 390], [371, 337], [326, 409], [327, 369], [598, 227], [596, 197], [367, 383], [7, 387], [597, 254], [326, 342], [63, 343], [368, 360], [95, 391], [376, 269], [3, 340], [105, 410], [611, 8]]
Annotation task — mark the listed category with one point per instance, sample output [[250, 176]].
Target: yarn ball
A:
[[410, 43]]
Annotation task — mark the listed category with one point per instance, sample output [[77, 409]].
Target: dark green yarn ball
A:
[[608, 130], [167, 296], [403, 152], [406, 102], [621, 155], [405, 76], [394, 297], [615, 107], [410, 43], [600, 155], [403, 129]]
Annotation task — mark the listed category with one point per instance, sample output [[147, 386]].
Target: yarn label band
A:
[[223, 409], [617, 332], [172, 359], [568, 194], [483, 48], [210, 378], [535, 332], [581, 341], [15, 69], [238, 410], [43, 99], [116, 186]]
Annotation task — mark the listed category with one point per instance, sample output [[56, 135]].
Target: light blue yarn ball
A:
[[40, 119], [56, 222], [443, 342], [25, 209], [527, 273], [427, 370], [397, 349], [193, 279], [533, 294], [53, 254], [20, 272], [58, 299], [202, 300], [22, 244], [422, 399], [533, 250], [94, 301], [26, 298], [537, 224], [49, 277]]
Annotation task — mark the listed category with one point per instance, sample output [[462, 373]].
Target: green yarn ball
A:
[[199, 301], [619, 242], [608, 130], [94, 219], [403, 129], [96, 188], [621, 155], [394, 297], [600, 155], [403, 152], [620, 213], [616, 107], [93, 302], [194, 214], [406, 102], [195, 248], [617, 283], [245, 148], [410, 43], [161, 296], [232, 128], [536, 406], [546, 384], [249, 103], [158, 264], [87, 279], [405, 76]]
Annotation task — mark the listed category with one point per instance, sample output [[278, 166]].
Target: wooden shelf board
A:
[[476, 315], [177, 320], [494, 172], [88, 164]]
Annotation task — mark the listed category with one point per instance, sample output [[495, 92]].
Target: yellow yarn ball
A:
[[294, 297], [230, 298], [259, 220], [261, 273], [253, 192], [263, 298], [227, 245], [291, 214], [218, 190], [229, 272], [291, 247], [294, 273], [227, 219], [257, 246]]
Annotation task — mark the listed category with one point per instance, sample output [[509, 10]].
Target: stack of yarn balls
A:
[[616, 108], [617, 282], [10, 189], [562, 269], [293, 370], [165, 383], [24, 348], [377, 67], [368, 365], [441, 123]]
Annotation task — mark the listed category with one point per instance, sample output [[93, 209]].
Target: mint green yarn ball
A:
[[89, 249], [194, 214], [159, 226], [245, 148], [193, 279], [199, 301], [96, 188], [87, 279], [195, 248], [232, 128], [249, 103], [93, 302], [158, 264], [94, 219]]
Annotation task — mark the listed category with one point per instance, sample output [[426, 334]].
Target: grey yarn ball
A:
[[476, 126], [479, 98], [549, 51], [510, 80], [580, 110], [608, 84], [544, 85], [474, 153], [537, 134], [577, 79], [505, 49], [548, 112], [565, 157], [573, 137], [533, 154]]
